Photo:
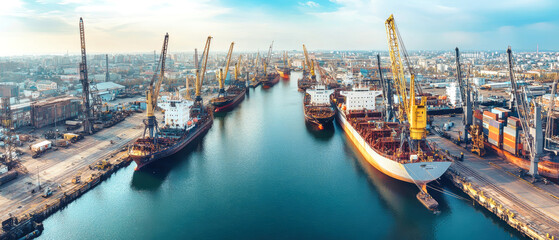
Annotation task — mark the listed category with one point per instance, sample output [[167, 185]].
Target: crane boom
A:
[[153, 91], [415, 114], [200, 73], [523, 113], [161, 69], [238, 68], [308, 62], [87, 109], [223, 77], [268, 58]]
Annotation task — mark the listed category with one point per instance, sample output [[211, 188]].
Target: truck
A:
[[40, 147], [47, 192], [62, 143], [72, 137]]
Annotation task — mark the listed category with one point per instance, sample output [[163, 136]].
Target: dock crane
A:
[[238, 68], [87, 108], [153, 92], [309, 63], [268, 58], [256, 67], [409, 111], [549, 128], [533, 134], [200, 73], [386, 92], [465, 95], [220, 76]]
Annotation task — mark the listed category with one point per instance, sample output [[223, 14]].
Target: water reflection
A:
[[151, 177]]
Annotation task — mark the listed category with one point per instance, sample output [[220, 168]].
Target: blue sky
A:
[[51, 26]]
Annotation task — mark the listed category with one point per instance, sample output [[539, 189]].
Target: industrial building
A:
[[9, 91], [51, 110]]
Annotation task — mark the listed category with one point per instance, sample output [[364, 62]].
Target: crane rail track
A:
[[543, 218]]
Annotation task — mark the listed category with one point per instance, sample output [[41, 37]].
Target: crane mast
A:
[[221, 76], [309, 63], [465, 95], [256, 67], [153, 91], [200, 73], [268, 58], [238, 68], [88, 111], [533, 135], [386, 92], [415, 114]]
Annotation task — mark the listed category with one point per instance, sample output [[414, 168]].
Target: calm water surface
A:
[[262, 173]]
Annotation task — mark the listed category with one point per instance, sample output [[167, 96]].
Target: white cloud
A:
[[310, 4]]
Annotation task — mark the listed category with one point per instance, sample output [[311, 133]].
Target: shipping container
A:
[[510, 149], [513, 122], [491, 115]]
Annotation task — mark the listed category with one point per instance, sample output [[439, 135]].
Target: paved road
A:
[[57, 168]]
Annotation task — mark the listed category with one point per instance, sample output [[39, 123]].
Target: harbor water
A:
[[262, 173]]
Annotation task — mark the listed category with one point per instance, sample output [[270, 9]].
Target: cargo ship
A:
[[317, 107], [284, 72], [184, 123], [305, 82], [232, 97], [270, 80], [380, 142]]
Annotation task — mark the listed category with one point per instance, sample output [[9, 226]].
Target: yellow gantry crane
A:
[[415, 114], [200, 73], [256, 67], [309, 63], [221, 76], [153, 91]]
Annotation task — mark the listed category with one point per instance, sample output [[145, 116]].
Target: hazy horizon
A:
[[50, 27]]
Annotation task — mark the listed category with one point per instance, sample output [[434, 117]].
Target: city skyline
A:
[[51, 27]]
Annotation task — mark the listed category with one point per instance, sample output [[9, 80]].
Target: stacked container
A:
[[487, 117], [511, 136], [495, 136], [501, 112]]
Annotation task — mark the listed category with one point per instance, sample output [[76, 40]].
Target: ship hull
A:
[[284, 72], [545, 168], [271, 81], [319, 120], [232, 103], [144, 160], [418, 172]]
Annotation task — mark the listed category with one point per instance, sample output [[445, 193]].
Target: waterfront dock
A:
[[89, 160], [531, 208]]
